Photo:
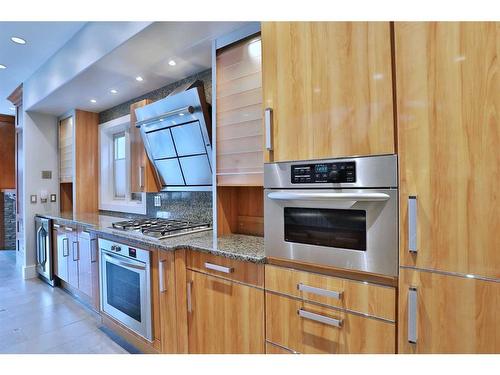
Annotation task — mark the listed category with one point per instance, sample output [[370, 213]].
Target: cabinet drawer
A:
[[358, 296], [323, 330], [245, 272]]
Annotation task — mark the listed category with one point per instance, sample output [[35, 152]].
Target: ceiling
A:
[[43, 40], [147, 54]]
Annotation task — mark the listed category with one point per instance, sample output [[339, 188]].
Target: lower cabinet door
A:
[[312, 329], [223, 316], [168, 322], [84, 264], [62, 249], [447, 314]]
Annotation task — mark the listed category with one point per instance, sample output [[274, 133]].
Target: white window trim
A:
[[107, 200]]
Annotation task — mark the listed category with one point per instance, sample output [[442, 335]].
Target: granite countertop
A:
[[236, 246]]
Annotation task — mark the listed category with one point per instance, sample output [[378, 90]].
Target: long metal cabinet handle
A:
[[319, 291], [161, 276], [93, 250], [320, 318], [65, 241], [412, 315], [412, 224], [78, 251], [216, 267], [69, 229], [317, 196], [117, 261], [141, 177], [268, 120], [189, 302]]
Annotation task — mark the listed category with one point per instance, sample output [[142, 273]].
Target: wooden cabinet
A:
[[329, 85], [223, 316], [450, 314], [142, 176], [167, 298], [448, 104], [313, 329]]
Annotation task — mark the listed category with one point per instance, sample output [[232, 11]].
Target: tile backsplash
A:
[[186, 205]]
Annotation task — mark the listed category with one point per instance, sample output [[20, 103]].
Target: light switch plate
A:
[[53, 198], [157, 200], [33, 199]]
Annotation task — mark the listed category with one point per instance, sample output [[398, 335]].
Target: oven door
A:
[[125, 292], [346, 228]]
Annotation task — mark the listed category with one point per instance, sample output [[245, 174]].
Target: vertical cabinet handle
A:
[[412, 224], [141, 177], [268, 121], [412, 315], [161, 276], [189, 302], [93, 250], [76, 258], [65, 244]]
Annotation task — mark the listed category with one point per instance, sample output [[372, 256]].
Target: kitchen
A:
[[259, 188]]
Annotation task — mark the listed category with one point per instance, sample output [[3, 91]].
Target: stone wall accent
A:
[[7, 221]]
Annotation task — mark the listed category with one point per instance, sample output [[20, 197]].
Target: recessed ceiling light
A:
[[139, 79], [18, 40], [113, 91], [93, 101], [2, 66], [172, 63], [181, 114]]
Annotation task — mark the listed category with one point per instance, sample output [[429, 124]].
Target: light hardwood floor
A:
[[35, 318]]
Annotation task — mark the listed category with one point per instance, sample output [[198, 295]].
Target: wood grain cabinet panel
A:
[[329, 85], [452, 314], [448, 105], [223, 316], [308, 335], [167, 292], [375, 300]]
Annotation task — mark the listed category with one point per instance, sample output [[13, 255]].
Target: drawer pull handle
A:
[[57, 226], [319, 291], [412, 224], [320, 318], [216, 267], [69, 229], [412, 315]]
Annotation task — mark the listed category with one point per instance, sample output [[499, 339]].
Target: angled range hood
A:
[[176, 133]]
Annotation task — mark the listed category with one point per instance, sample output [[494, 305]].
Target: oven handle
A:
[[116, 260], [289, 196]]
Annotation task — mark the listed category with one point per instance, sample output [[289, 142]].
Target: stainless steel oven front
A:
[[337, 212], [126, 286]]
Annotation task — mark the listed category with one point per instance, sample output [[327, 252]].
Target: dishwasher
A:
[[44, 253]]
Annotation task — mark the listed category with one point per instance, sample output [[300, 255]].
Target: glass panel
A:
[[120, 178], [161, 144], [196, 170], [120, 146], [188, 139], [170, 171], [124, 290], [326, 227]]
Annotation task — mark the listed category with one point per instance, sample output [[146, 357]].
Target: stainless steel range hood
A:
[[176, 133]]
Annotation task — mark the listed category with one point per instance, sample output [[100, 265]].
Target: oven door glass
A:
[[124, 290], [337, 228]]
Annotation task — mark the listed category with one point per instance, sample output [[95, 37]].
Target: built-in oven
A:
[[126, 286], [337, 212]]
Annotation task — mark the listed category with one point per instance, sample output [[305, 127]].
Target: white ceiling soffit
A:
[[43, 39], [147, 54]]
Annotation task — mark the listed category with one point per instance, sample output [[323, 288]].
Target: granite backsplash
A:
[[124, 108]]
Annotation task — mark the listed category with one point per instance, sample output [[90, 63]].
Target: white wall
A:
[[40, 153]]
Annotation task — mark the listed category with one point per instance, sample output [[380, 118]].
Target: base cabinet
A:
[[224, 317], [447, 314]]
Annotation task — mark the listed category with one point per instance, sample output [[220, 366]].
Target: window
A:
[[115, 172]]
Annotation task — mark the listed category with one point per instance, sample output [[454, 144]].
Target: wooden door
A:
[[72, 240], [168, 321], [224, 317], [61, 252], [452, 314], [84, 263], [448, 101], [329, 85]]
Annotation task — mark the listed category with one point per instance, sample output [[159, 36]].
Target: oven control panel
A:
[[340, 172]]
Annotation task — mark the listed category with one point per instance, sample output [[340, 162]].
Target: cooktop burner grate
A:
[[161, 228]]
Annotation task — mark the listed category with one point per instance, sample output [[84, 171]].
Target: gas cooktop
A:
[[161, 228]]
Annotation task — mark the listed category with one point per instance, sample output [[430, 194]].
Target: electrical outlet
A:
[[157, 200], [53, 197]]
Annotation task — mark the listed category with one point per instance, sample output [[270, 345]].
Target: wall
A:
[[124, 108], [7, 152], [40, 153]]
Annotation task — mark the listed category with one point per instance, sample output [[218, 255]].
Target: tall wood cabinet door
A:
[[448, 103], [329, 85], [447, 314], [224, 317], [168, 319], [142, 176], [74, 254], [62, 250], [84, 263]]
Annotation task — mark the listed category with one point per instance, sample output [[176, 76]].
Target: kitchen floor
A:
[[35, 318]]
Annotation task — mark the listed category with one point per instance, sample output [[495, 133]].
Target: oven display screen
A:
[[337, 228]]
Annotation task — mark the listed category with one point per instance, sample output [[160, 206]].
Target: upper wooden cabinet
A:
[[142, 178], [448, 104], [329, 85]]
